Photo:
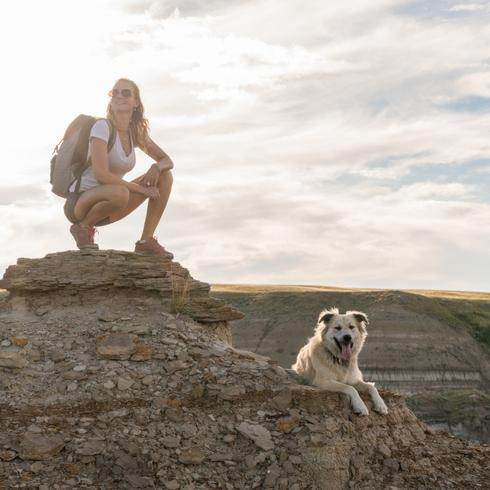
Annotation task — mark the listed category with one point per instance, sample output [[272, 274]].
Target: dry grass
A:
[[277, 288], [180, 294], [467, 295]]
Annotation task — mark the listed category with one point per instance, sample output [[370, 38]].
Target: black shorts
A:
[[69, 207]]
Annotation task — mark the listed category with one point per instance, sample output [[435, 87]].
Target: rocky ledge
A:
[[102, 387], [157, 401], [122, 280]]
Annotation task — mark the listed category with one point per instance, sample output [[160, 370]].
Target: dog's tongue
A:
[[346, 352]]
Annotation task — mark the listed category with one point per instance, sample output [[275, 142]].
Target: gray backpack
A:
[[70, 154]]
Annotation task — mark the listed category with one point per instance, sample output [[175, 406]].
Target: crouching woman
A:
[[102, 196]]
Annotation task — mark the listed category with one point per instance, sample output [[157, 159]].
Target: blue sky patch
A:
[[472, 103]]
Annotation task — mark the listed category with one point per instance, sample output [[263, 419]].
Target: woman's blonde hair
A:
[[139, 125]]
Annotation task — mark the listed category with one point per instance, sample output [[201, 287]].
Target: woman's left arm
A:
[[162, 163]]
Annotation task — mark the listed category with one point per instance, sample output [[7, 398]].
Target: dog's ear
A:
[[360, 317], [325, 317]]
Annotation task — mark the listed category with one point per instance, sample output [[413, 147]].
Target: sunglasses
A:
[[125, 92]]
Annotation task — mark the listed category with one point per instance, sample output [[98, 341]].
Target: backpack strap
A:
[[112, 136], [88, 163]]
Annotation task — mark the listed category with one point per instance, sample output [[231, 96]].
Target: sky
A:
[[326, 143]]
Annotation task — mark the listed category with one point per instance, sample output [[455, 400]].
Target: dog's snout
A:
[[347, 338]]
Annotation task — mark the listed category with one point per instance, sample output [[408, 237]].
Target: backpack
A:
[[70, 154]]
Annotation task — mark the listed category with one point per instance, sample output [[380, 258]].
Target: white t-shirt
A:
[[119, 163]]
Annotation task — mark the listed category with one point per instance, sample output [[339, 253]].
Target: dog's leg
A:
[[358, 405], [379, 404]]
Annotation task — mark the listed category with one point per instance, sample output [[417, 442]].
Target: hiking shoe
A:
[[84, 236], [151, 247]]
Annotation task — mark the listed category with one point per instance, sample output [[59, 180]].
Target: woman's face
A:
[[123, 98]]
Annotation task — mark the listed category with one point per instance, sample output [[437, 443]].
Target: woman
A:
[[104, 196]]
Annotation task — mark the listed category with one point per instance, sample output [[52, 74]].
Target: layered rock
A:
[[102, 387], [122, 280], [157, 401]]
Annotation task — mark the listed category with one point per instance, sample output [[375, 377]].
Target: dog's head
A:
[[342, 335]]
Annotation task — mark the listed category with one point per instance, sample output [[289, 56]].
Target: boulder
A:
[[40, 447]]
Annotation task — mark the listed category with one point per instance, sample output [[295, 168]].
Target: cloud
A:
[[361, 234], [476, 84], [432, 190], [337, 98], [340, 144], [217, 78], [484, 170], [470, 7], [22, 195], [165, 8]]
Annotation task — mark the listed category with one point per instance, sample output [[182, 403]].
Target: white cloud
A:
[[393, 238], [470, 7], [477, 84], [433, 190]]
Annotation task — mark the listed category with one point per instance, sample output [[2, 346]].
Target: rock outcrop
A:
[[115, 280], [105, 387]]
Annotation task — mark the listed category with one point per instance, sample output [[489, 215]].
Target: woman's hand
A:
[[151, 192], [150, 179]]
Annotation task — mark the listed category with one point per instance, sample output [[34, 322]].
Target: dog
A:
[[329, 359]]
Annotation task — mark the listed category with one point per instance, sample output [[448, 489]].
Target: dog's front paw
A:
[[380, 407], [359, 407]]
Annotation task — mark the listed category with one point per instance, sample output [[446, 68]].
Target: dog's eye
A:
[[352, 327], [338, 328]]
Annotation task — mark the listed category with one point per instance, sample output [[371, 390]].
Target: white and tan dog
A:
[[329, 359]]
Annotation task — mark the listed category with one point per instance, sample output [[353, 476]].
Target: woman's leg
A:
[[114, 202], [155, 206], [134, 201], [93, 206], [99, 203]]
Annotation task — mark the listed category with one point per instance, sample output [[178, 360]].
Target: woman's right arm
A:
[[100, 167]]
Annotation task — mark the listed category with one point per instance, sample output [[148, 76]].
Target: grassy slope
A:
[[458, 309], [268, 288]]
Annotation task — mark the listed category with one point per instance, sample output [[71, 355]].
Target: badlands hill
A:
[[117, 371], [432, 346]]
